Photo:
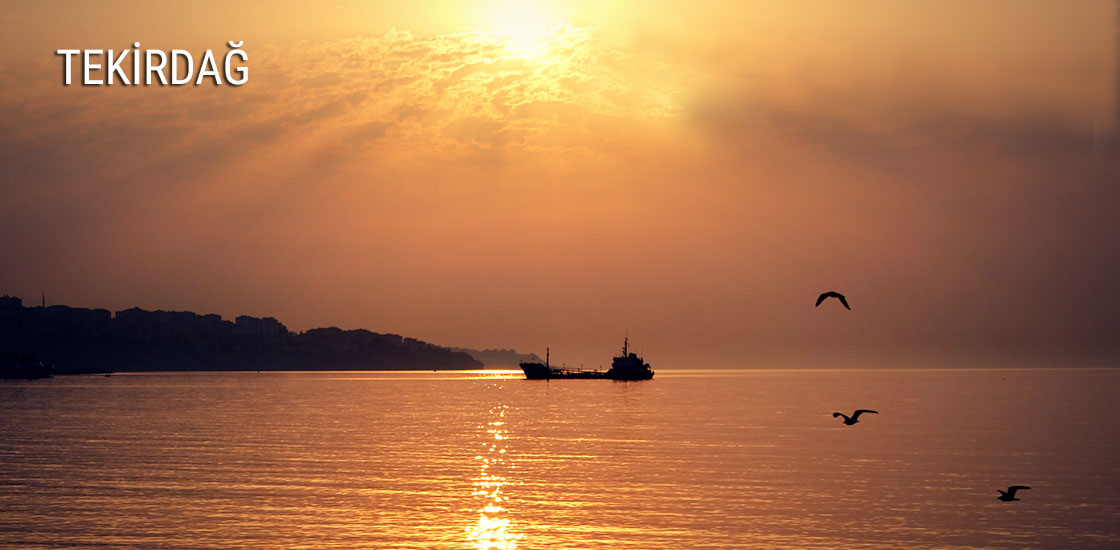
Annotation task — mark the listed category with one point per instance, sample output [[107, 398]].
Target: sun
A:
[[525, 25]]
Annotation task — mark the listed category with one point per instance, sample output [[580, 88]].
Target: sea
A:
[[693, 459]]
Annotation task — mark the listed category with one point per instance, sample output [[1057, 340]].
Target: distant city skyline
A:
[[75, 340]]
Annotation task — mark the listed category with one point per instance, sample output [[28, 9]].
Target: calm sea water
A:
[[691, 459]]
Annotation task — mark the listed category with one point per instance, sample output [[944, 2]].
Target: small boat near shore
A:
[[627, 366], [23, 367]]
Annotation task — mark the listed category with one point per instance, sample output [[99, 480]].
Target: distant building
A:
[[266, 328], [168, 325], [60, 320], [10, 306]]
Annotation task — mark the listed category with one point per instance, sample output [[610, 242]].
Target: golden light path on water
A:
[[693, 459], [494, 530]]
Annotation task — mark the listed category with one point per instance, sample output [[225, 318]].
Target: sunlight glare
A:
[[525, 26], [493, 530]]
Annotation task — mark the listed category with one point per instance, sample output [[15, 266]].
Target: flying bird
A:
[[833, 294], [855, 416], [1009, 494]]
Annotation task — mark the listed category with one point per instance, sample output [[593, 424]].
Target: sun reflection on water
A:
[[493, 530]]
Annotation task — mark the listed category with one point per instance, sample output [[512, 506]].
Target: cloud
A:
[[407, 178], [451, 91]]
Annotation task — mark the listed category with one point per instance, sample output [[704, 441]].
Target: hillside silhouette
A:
[[80, 340]]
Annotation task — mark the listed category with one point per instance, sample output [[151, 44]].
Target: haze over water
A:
[[691, 459]]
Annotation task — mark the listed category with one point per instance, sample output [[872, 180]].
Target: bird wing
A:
[[821, 299], [861, 411], [835, 415], [844, 301], [1012, 489]]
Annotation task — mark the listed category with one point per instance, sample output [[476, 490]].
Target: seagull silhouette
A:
[[833, 294], [1009, 494], [855, 416]]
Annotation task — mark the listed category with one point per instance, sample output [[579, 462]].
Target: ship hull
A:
[[641, 375], [539, 371], [535, 371]]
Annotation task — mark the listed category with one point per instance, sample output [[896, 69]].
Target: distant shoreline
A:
[[664, 373], [96, 341]]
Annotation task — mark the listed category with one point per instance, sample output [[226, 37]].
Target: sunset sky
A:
[[546, 173]]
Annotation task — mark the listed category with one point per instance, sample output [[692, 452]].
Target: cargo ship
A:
[[627, 366]]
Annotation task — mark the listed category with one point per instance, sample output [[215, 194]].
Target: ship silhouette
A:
[[627, 366]]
